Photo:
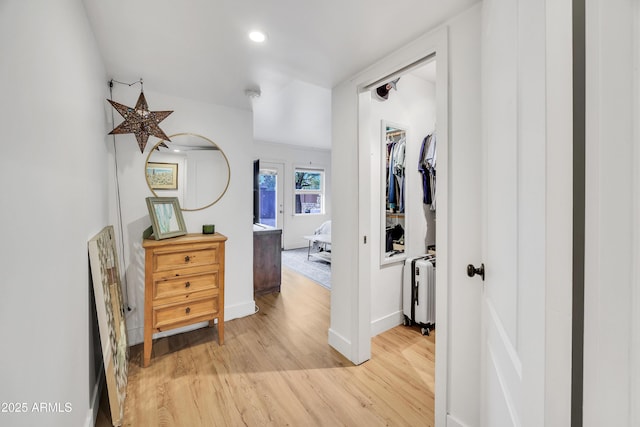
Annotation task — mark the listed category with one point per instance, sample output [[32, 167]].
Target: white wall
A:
[[611, 272], [413, 106], [55, 198], [345, 236], [458, 339], [296, 226], [230, 129]]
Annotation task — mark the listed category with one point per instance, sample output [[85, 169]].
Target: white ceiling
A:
[[199, 49]]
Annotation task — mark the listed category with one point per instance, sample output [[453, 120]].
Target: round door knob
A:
[[187, 258], [186, 285], [472, 270], [188, 310]]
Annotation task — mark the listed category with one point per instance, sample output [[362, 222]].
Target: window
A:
[[309, 191]]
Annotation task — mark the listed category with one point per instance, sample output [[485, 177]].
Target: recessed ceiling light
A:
[[257, 36]]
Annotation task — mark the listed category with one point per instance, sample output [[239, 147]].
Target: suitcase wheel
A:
[[425, 331], [407, 321]]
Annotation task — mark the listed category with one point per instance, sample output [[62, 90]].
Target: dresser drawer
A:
[[171, 287], [185, 297], [185, 313], [188, 256]]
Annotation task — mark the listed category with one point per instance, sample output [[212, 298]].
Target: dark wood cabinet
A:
[[267, 260]]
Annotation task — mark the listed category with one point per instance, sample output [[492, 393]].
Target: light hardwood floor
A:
[[276, 369]]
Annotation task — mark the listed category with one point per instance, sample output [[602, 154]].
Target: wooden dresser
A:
[[184, 284]]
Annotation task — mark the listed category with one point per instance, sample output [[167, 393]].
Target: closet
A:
[[407, 150], [403, 168]]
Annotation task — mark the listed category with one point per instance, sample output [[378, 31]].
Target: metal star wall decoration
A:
[[140, 121]]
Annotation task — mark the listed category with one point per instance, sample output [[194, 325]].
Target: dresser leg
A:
[[148, 342], [220, 331]]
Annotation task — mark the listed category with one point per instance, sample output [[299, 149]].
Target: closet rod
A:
[[399, 72], [395, 133]]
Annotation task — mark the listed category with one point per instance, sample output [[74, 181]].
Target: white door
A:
[[513, 317]]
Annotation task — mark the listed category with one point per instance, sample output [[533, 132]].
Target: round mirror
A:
[[190, 167]]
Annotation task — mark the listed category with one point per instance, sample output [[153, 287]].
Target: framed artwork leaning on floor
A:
[[105, 275]]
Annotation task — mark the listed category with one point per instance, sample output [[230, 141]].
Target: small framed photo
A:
[[162, 176], [166, 217]]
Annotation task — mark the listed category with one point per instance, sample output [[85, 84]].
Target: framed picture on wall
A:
[[162, 176]]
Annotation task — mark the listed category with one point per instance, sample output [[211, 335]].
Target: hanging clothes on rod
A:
[[395, 174], [398, 171], [427, 167], [391, 182]]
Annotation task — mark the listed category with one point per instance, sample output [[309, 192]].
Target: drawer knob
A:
[[186, 285], [188, 310], [187, 258]]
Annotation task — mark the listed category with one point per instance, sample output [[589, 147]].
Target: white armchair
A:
[[324, 229]]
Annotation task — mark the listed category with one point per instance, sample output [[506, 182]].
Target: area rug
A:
[[315, 269]]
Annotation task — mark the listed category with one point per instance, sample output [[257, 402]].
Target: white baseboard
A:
[[385, 323], [136, 335], [452, 422], [94, 408], [340, 343], [239, 310]]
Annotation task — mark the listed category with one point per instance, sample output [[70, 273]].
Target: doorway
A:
[[398, 116], [270, 193], [354, 231]]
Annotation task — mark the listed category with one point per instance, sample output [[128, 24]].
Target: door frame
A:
[[401, 62]]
